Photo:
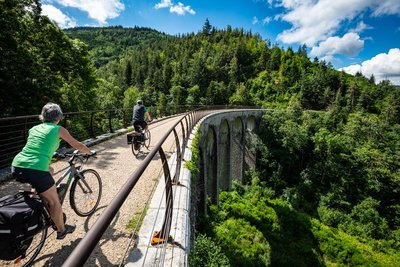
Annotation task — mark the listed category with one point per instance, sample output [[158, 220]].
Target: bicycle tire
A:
[[86, 192], [36, 244], [147, 138], [135, 147]]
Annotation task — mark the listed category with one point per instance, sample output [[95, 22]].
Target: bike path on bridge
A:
[[115, 163]]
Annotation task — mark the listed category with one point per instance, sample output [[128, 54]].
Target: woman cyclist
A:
[[32, 164]]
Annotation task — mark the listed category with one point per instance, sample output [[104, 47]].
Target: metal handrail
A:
[[92, 124], [82, 251], [85, 247]]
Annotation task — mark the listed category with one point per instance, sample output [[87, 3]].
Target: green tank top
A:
[[42, 141]]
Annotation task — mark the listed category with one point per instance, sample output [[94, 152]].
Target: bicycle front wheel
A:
[[86, 192], [147, 139]]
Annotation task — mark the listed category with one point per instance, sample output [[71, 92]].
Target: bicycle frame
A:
[[71, 172]]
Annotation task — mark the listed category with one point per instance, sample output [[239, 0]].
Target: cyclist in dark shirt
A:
[[140, 115]]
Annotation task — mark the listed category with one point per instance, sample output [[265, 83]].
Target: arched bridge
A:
[[144, 214], [224, 149]]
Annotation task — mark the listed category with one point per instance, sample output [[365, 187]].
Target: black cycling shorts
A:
[[40, 180], [142, 124]]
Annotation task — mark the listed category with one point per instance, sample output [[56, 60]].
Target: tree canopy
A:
[[328, 156]]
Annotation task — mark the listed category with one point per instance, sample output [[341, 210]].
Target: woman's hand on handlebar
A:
[[64, 154], [93, 153]]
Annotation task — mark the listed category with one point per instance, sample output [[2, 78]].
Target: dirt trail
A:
[[115, 163]]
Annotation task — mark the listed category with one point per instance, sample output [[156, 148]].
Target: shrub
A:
[[365, 221], [207, 253], [243, 243]]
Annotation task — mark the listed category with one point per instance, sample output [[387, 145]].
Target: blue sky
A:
[[354, 35]]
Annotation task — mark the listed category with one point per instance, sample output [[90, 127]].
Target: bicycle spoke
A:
[[86, 192], [83, 181]]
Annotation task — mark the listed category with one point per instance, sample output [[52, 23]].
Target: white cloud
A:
[[179, 9], [99, 10], [387, 7], [349, 45], [163, 4], [361, 26], [383, 66], [316, 20], [313, 22], [266, 20], [255, 20], [328, 58], [58, 16]]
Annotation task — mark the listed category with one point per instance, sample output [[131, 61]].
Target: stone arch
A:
[[224, 176], [237, 138], [200, 185], [211, 165], [251, 124], [250, 153]]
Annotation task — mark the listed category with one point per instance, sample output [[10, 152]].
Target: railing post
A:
[[110, 121], [187, 126], [163, 235], [125, 119], [175, 181], [91, 125], [25, 129], [192, 119], [184, 136]]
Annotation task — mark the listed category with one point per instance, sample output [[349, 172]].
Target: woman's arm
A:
[[64, 134], [148, 116]]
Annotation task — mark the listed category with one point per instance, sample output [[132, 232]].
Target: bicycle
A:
[[139, 139], [84, 197]]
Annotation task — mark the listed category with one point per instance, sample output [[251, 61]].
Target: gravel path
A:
[[115, 163]]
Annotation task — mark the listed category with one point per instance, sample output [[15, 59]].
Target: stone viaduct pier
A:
[[224, 155]]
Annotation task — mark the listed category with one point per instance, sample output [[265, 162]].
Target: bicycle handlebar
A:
[[75, 154]]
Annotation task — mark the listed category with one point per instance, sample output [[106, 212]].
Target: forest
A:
[[327, 185]]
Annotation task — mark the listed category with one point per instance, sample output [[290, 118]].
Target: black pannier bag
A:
[[129, 138], [19, 222]]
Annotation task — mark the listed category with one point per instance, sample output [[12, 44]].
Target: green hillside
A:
[[108, 43], [328, 165]]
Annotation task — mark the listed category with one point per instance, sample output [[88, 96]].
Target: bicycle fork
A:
[[83, 184]]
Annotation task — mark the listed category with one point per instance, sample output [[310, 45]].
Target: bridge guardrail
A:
[[81, 125], [82, 251]]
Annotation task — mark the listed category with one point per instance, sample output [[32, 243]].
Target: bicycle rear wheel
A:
[[35, 244], [147, 138], [135, 146], [86, 192]]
